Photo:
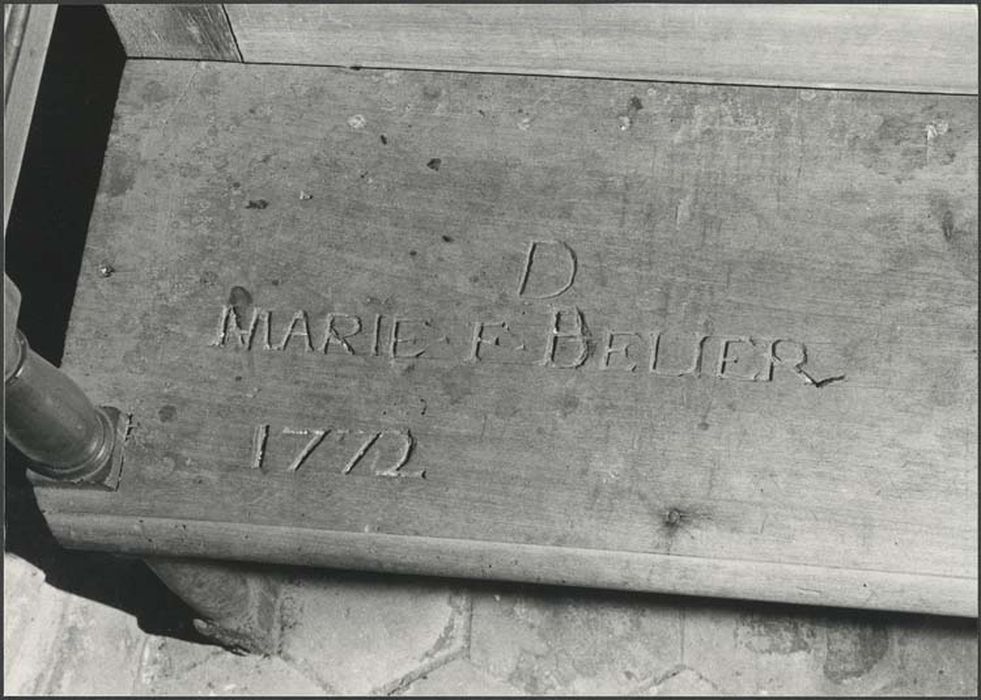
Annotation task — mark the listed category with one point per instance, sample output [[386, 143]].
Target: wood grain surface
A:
[[174, 31], [931, 48], [456, 284], [27, 33]]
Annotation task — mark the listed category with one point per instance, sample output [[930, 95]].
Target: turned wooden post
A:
[[49, 419]]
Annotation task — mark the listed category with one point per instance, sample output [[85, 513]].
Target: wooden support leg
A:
[[239, 606]]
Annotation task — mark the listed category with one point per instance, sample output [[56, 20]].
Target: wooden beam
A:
[[922, 48], [174, 31], [566, 566], [27, 32], [697, 338]]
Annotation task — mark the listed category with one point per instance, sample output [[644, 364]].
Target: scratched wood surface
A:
[[699, 339], [882, 47]]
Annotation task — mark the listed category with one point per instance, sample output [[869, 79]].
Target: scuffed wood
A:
[[174, 31], [407, 321], [924, 48]]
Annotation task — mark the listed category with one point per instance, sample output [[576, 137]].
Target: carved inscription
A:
[[380, 453], [401, 323], [479, 339], [317, 434], [259, 444], [578, 337], [556, 286], [567, 344], [565, 338], [331, 332]]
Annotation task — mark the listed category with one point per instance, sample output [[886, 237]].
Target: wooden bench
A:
[[664, 298]]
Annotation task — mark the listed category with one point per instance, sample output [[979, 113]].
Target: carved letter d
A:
[[529, 261]]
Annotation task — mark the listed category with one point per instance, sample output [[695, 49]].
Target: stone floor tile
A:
[[459, 678], [685, 682], [545, 641], [793, 651], [935, 657], [98, 652], [166, 658], [359, 633], [32, 618], [363, 633], [225, 673], [755, 651]]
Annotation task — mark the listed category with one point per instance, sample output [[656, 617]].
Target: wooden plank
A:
[[814, 251], [175, 31], [27, 33], [634, 571], [928, 48]]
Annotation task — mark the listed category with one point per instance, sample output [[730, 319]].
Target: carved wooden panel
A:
[[697, 339]]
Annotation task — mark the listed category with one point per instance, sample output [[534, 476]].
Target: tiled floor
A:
[[349, 633]]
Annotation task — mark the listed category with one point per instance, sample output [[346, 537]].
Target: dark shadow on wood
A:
[[43, 252]]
